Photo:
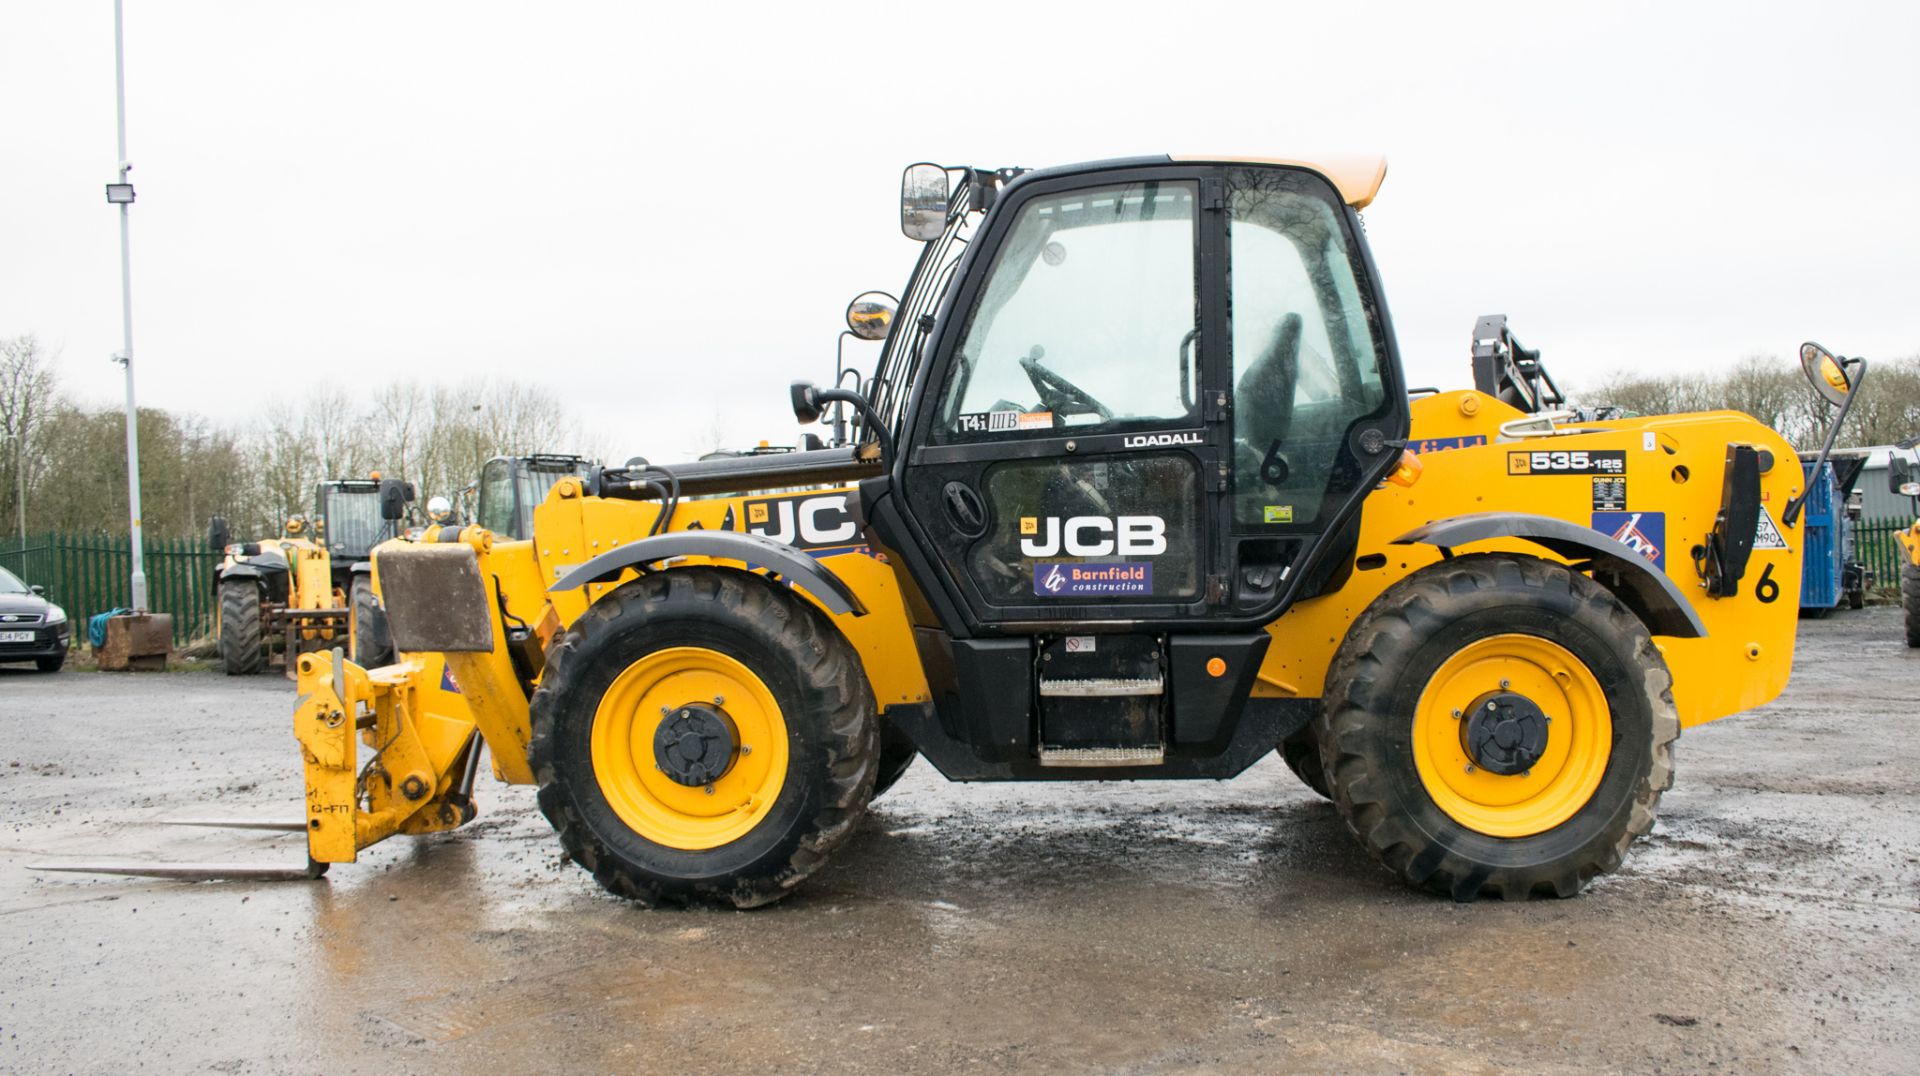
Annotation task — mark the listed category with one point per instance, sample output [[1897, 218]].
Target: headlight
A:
[[56, 615]]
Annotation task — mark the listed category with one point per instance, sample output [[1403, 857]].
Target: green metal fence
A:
[[88, 574], [1874, 544]]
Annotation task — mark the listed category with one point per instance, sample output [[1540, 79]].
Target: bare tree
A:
[[27, 398]]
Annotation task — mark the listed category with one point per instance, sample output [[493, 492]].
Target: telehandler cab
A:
[[1136, 490]]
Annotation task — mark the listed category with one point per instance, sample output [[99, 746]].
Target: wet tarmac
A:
[[1770, 924]]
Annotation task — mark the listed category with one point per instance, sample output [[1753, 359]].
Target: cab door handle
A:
[[964, 509]]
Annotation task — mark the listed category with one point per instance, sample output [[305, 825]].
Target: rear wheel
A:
[[239, 627], [1910, 598], [372, 641], [1301, 753], [701, 733], [1500, 725]]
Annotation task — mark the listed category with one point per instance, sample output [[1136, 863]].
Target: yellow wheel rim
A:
[[1579, 736], [659, 808]]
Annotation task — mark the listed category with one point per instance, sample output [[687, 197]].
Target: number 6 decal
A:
[[1766, 589]]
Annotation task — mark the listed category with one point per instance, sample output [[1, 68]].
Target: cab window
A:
[[1305, 363], [1087, 318]]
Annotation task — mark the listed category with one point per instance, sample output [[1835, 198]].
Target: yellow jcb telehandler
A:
[[300, 588], [1137, 490]]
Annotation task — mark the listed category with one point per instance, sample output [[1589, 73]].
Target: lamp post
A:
[[121, 194]]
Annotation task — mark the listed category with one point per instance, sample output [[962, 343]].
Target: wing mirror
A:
[[1837, 380], [810, 402], [218, 535], [1832, 377], [1900, 478], [395, 495], [924, 195], [870, 315]]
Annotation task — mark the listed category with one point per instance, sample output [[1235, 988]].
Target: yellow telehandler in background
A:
[[300, 588], [1903, 477], [1137, 490]]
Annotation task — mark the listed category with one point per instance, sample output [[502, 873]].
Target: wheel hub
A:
[[696, 744], [1504, 733]]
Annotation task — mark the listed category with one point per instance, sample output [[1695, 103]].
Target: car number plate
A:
[[16, 636]]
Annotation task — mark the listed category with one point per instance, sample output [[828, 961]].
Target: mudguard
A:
[[1643, 588], [783, 560]]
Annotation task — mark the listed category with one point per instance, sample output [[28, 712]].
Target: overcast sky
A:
[[660, 210]]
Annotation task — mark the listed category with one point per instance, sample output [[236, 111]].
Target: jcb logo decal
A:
[[1094, 536], [808, 522]]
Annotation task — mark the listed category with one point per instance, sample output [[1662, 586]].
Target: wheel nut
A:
[[746, 749], [719, 700], [1456, 714], [709, 790]]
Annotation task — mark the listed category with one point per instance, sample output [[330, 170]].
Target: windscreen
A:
[[354, 525]]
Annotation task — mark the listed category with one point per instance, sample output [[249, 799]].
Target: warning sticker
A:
[[1766, 535], [1033, 420], [1277, 513], [1082, 644], [1610, 494]]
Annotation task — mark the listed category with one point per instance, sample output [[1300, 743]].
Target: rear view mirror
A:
[[218, 536], [870, 315], [37, 589], [1828, 375], [394, 498], [1900, 478], [923, 201]]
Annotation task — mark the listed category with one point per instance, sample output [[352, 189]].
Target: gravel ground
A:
[[1771, 923]]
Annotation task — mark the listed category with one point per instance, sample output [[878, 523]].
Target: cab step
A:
[[1101, 688], [1103, 756]]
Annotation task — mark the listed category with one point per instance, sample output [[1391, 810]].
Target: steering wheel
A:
[[1057, 394]]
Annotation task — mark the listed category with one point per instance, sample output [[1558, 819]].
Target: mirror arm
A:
[[1791, 515]]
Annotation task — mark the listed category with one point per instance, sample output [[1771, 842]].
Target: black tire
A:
[[896, 758], [1857, 598], [51, 664], [1301, 753], [241, 653], [1385, 664], [372, 639], [1910, 599], [814, 676]]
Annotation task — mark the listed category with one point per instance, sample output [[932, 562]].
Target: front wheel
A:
[[702, 733], [51, 664], [372, 642], [239, 627], [1498, 725]]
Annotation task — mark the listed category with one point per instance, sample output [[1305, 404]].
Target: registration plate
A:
[[16, 636]]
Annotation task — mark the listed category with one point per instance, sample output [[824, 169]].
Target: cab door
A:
[[1158, 397], [1066, 465]]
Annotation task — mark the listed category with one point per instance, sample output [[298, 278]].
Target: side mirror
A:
[[870, 315], [394, 497], [1835, 379], [806, 402], [1829, 375], [218, 536], [924, 194], [37, 589], [1900, 478], [809, 400]]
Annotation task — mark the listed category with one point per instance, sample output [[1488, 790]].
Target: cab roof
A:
[[1356, 176]]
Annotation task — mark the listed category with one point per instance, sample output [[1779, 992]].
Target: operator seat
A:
[[1263, 400]]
